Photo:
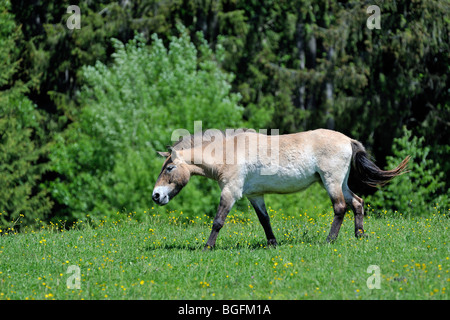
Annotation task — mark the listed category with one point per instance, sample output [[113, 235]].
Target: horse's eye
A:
[[170, 168]]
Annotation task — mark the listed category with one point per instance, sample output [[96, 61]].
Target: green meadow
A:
[[90, 92], [157, 254]]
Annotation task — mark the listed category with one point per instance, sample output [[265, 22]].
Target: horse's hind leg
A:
[[333, 185], [357, 205], [260, 208], [339, 207]]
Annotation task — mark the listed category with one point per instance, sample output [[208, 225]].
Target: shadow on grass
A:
[[171, 246], [305, 238], [200, 246]]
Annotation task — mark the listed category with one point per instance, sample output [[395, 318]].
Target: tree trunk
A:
[[301, 90], [311, 53], [329, 102]]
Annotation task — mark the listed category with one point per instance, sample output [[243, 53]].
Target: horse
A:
[[251, 164]]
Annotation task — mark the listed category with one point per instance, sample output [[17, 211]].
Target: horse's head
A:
[[173, 177]]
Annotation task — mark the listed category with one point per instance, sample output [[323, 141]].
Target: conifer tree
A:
[[22, 146]]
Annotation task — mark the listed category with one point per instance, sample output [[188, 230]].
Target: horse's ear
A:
[[173, 153], [164, 154]]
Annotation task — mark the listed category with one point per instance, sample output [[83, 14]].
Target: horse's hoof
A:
[[208, 247], [331, 239], [361, 235], [272, 243]]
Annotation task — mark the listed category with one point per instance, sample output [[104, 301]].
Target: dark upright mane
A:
[[205, 137]]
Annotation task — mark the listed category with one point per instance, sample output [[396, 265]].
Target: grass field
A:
[[161, 257]]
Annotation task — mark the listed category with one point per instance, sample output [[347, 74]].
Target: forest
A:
[[84, 110]]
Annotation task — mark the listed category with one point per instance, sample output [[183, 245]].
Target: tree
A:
[[22, 141], [107, 158], [298, 64], [418, 190]]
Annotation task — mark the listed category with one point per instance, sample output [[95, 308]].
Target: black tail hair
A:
[[368, 172]]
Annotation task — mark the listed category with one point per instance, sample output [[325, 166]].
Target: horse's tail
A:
[[368, 172]]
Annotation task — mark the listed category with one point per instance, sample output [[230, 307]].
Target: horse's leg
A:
[[357, 205], [225, 205], [333, 186], [334, 178], [260, 208], [339, 208]]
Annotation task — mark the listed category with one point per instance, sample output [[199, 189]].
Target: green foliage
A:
[[298, 65], [9, 33], [21, 138], [421, 188], [20, 170], [107, 159]]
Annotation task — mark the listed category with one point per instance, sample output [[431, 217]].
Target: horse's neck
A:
[[198, 167], [204, 170], [197, 170]]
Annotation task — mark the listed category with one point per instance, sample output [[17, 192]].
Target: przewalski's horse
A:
[[252, 164]]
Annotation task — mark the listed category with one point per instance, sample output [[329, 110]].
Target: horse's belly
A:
[[280, 181]]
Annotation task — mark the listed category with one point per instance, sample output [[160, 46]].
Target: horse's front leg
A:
[[225, 205], [260, 208]]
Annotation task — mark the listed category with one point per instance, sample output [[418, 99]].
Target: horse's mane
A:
[[205, 137]]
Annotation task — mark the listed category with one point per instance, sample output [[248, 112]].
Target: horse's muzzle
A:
[[161, 198]]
